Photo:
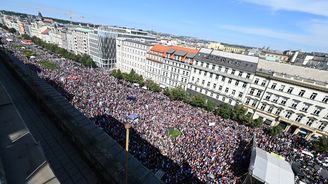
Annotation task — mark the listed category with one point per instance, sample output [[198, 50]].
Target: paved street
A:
[[64, 159]]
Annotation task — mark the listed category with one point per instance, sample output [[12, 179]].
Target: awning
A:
[[303, 131], [268, 168]]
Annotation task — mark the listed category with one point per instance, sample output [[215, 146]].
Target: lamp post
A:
[[127, 128]]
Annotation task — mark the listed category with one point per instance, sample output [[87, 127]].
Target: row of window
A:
[[226, 70], [176, 70], [284, 100], [288, 114], [213, 95], [290, 90], [179, 65], [131, 44]]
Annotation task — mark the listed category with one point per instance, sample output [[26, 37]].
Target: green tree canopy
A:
[[321, 144], [224, 111], [198, 100], [210, 105], [151, 85], [276, 130]]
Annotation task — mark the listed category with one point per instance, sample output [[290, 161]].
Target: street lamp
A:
[[127, 128]]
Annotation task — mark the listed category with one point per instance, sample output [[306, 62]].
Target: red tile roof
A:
[[46, 31]]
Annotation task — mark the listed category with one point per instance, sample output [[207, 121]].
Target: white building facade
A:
[[292, 96], [221, 76], [131, 54]]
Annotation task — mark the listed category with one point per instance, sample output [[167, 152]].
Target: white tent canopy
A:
[[270, 169]]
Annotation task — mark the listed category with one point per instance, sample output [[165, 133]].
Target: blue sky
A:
[[279, 24]]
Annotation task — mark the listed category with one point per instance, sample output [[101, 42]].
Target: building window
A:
[[317, 111], [323, 125], [211, 74], [282, 87], [240, 94], [299, 118], [226, 70], [270, 109], [193, 78], [256, 81], [247, 101], [205, 73], [226, 90], [251, 92], [223, 79], [208, 84], [233, 92], [203, 82], [240, 74], [312, 97], [263, 83], [309, 122], [236, 83], [207, 65], [283, 101], [244, 85], [290, 90], [301, 93], [254, 103], [263, 107], [213, 67], [229, 81], [220, 88], [278, 111], [288, 115], [200, 72], [223, 98], [273, 86], [305, 107], [325, 99], [268, 97], [214, 86], [258, 94], [217, 77], [248, 75], [294, 105], [233, 72]]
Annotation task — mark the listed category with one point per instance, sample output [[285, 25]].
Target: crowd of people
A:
[[202, 152]]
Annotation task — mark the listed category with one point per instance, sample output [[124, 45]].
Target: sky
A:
[[278, 24]]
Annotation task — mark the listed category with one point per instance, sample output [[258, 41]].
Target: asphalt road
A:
[[64, 159]]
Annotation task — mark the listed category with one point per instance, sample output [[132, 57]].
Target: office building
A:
[[294, 97], [223, 77]]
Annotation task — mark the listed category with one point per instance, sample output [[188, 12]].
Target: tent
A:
[[133, 117], [267, 168]]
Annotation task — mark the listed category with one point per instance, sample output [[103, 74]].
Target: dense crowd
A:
[[204, 153]]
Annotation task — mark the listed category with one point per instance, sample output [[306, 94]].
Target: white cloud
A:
[[316, 7], [315, 36]]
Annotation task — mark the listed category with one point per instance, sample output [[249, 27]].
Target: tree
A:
[[151, 85], [256, 122], [12, 30], [210, 105], [276, 130], [238, 113], [321, 144], [224, 111], [198, 101], [179, 94]]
